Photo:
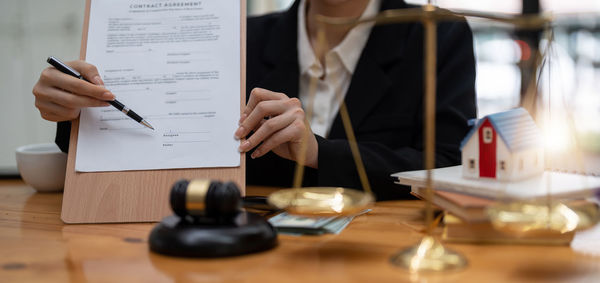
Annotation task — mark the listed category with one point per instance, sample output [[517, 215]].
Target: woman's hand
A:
[[279, 125], [60, 97]]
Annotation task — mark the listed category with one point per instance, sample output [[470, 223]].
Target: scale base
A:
[[429, 256], [246, 233]]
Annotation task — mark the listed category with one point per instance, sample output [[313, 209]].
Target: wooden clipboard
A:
[[136, 196]]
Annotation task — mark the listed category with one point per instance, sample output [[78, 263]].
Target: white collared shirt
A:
[[340, 63]]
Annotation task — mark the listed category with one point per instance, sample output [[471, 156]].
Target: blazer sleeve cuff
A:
[[63, 133], [336, 164]]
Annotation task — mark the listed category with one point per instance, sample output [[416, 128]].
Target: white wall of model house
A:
[[470, 158]]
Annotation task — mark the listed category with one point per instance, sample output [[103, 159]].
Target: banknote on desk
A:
[[301, 225]]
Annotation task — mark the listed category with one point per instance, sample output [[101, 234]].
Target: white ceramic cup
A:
[[42, 166]]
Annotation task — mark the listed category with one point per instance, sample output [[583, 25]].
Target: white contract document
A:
[[176, 64]]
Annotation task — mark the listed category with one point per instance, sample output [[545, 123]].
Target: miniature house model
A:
[[505, 146]]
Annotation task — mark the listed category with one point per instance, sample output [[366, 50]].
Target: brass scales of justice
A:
[[429, 254]]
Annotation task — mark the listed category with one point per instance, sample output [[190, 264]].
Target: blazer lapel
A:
[[281, 53], [368, 85], [370, 81]]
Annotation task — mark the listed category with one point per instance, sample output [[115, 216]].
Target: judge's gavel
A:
[[205, 198], [209, 222]]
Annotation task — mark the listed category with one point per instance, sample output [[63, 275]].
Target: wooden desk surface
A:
[[35, 246]]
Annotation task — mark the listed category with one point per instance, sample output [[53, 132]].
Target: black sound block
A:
[[246, 233]]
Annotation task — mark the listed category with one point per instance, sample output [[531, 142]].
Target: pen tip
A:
[[147, 124]]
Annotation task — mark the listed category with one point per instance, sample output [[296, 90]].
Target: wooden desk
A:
[[35, 246]]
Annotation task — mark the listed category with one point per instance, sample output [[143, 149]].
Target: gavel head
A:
[[205, 198]]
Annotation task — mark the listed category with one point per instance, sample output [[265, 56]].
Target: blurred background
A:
[[31, 30]]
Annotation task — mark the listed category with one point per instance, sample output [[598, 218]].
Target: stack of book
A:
[[466, 201], [466, 221]]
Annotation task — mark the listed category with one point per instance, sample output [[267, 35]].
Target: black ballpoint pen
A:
[[70, 71]]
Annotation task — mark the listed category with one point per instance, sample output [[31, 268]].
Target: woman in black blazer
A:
[[384, 99]]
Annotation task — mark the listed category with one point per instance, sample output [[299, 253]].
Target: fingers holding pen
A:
[[59, 97], [54, 78], [67, 99], [88, 71]]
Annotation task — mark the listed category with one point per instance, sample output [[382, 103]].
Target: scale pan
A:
[[321, 201], [539, 218]]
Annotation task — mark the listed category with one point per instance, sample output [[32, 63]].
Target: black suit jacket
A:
[[384, 101]]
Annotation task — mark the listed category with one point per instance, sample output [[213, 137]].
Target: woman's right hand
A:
[[60, 97]]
